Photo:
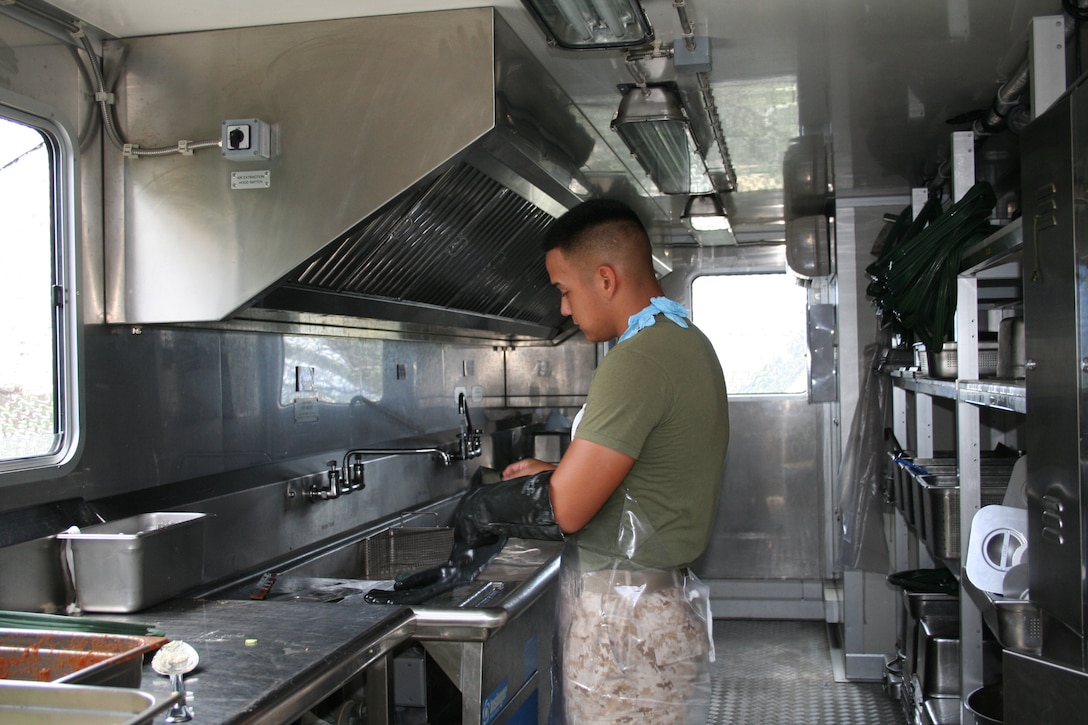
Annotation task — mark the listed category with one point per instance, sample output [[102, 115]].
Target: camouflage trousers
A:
[[632, 649]]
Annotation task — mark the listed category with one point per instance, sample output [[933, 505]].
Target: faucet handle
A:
[[335, 479], [356, 474]]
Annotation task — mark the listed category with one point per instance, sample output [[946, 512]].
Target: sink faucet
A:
[[469, 437], [326, 493], [350, 476]]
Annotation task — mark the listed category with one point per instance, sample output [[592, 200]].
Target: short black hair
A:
[[565, 232]]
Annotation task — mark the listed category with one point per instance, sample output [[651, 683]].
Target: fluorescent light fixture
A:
[[705, 213], [587, 24], [652, 122], [706, 218]]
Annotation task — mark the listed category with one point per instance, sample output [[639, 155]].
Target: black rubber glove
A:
[[520, 507], [463, 566]]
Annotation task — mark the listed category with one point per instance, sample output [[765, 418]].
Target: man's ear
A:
[[606, 280]]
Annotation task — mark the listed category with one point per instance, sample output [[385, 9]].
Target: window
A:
[[39, 418], [757, 325]]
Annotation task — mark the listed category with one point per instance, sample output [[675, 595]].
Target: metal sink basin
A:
[[40, 655], [331, 590], [343, 573], [389, 554]]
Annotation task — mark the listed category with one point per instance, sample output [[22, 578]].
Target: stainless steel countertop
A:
[[298, 653]]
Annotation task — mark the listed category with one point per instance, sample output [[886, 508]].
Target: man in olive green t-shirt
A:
[[637, 489], [658, 397]]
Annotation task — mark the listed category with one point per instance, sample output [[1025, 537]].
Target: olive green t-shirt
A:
[[660, 398]]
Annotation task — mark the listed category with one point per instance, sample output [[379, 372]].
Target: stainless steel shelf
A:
[[997, 394], [915, 382], [1000, 395]]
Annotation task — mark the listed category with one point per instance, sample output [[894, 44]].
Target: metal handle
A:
[[179, 712]]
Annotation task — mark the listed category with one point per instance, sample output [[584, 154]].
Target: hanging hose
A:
[[903, 227], [914, 279]]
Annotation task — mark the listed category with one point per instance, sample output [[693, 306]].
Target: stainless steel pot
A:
[[987, 704]]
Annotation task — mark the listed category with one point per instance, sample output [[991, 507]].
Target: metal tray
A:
[[945, 362], [938, 663], [37, 655], [46, 703], [904, 480], [133, 563], [942, 514], [1017, 623], [941, 711]]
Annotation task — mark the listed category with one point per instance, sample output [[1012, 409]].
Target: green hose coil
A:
[[913, 281]]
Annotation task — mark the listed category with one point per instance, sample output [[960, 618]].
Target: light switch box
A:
[[247, 139]]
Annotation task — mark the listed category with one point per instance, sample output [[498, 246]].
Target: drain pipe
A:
[[1007, 99]]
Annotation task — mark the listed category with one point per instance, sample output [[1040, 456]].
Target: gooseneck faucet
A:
[[349, 476], [469, 437]]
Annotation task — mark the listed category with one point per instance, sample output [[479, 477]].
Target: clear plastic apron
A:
[[635, 643]]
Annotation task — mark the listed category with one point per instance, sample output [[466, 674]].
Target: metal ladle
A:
[[175, 660]]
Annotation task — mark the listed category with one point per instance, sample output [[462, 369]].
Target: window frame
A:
[[67, 314]]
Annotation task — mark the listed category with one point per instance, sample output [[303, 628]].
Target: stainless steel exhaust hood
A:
[[416, 161]]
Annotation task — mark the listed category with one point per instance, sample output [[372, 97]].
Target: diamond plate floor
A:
[[780, 673]]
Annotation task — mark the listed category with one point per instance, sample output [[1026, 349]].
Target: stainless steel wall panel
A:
[[172, 404], [479, 371], [768, 524], [551, 376], [823, 385]]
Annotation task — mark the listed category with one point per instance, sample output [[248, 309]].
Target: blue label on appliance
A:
[[527, 713], [494, 703]]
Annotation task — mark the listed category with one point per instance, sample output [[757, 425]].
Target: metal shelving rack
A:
[[971, 394]]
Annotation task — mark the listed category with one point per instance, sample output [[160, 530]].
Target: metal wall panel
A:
[[172, 404], [771, 521], [768, 523], [551, 376]]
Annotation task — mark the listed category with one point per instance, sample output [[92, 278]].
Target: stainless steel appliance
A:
[[1052, 688], [419, 195]]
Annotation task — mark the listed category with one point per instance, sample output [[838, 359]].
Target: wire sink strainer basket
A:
[[404, 550]]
